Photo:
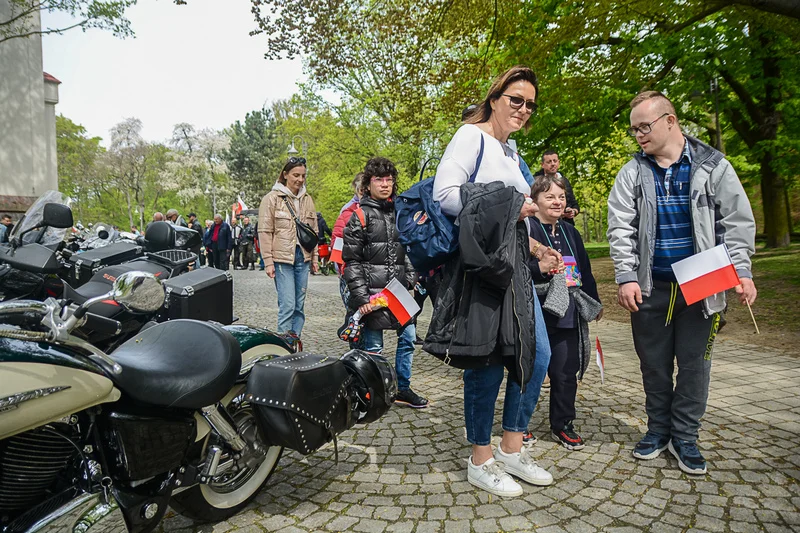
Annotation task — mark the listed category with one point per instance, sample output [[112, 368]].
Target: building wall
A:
[[27, 124]]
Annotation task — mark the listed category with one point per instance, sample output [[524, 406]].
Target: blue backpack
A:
[[429, 236]]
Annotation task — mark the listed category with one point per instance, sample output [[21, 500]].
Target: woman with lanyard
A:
[[558, 285]]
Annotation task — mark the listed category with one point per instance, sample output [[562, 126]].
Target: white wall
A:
[[27, 124]]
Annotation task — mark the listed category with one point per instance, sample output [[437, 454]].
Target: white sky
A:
[[194, 63]]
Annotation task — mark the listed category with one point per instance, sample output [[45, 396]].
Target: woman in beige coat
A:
[[284, 259]]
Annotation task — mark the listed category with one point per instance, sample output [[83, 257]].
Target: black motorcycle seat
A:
[[181, 363]]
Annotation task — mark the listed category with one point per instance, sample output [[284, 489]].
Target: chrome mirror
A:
[[138, 291]]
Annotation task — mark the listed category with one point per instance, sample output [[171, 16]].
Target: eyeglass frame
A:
[[530, 105], [382, 179], [634, 130]]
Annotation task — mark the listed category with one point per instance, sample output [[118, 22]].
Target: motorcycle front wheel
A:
[[223, 498]]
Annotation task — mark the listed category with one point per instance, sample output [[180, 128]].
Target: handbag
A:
[[306, 235]]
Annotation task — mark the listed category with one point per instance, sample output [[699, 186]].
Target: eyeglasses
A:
[[296, 160], [516, 102], [386, 179], [644, 129]]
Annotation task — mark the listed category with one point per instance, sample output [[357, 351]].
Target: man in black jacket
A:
[[373, 257], [246, 244], [195, 225], [550, 164]]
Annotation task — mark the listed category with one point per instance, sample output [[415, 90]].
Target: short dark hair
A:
[[544, 183], [548, 152], [378, 167], [192, 214], [6, 215]]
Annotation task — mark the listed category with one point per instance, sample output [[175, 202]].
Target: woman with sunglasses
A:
[[479, 152], [285, 260]]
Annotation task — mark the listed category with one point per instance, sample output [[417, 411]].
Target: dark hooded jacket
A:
[[483, 313], [374, 256]]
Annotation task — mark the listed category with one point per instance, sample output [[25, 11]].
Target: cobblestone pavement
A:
[[407, 472]]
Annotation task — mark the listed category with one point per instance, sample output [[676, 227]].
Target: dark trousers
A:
[[686, 337], [221, 259], [563, 370], [246, 250], [237, 252]]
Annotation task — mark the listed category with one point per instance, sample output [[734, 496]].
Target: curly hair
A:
[[378, 167]]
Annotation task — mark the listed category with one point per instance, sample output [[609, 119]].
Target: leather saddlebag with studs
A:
[[302, 400]]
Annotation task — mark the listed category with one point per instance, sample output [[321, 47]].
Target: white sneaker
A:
[[490, 477], [523, 466]]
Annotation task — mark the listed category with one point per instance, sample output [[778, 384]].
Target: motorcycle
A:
[[187, 414]]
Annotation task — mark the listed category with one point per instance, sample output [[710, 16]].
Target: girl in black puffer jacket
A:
[[373, 256]]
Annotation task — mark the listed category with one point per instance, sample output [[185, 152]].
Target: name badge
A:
[[572, 272]]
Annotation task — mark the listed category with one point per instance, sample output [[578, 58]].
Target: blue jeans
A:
[[373, 342], [482, 385], [291, 282]]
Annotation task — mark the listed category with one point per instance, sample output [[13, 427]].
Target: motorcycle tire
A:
[[216, 502]]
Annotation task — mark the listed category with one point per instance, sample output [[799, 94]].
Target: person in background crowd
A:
[[374, 257], [323, 228], [195, 225], [675, 198], [158, 216], [246, 246], [550, 165], [286, 261], [5, 228], [219, 242], [136, 231], [338, 233], [483, 352], [175, 218], [236, 231], [570, 300]]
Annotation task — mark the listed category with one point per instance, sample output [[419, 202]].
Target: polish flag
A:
[[336, 250], [401, 303], [240, 205], [601, 361], [705, 274]]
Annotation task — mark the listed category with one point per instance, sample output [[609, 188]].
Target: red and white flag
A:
[[401, 303], [336, 250], [601, 360], [240, 205], [705, 274]]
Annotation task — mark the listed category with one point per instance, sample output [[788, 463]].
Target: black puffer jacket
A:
[[483, 312], [374, 256]]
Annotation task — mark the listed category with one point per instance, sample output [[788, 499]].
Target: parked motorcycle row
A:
[[126, 387]]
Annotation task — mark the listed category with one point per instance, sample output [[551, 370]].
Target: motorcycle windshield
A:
[[33, 217]]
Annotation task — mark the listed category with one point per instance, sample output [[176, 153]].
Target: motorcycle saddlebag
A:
[[302, 400], [85, 264], [202, 294]]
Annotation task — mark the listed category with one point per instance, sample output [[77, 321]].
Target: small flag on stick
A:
[[336, 250], [240, 205], [705, 274], [601, 361], [399, 301]]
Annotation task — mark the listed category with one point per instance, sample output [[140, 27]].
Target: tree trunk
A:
[[773, 193]]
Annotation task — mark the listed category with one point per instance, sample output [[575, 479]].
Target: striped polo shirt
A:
[[674, 240]]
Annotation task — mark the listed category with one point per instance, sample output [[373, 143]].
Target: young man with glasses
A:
[[374, 256], [675, 198]]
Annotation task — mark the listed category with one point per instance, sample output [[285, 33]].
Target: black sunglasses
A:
[[296, 160], [516, 102]]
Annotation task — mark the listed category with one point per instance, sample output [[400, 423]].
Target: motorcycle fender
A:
[[253, 352], [34, 394]]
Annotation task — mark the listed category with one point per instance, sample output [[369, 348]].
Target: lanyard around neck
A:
[[563, 233]]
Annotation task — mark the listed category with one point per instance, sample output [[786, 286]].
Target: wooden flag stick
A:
[[752, 316]]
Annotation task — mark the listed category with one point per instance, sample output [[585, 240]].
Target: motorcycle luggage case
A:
[[202, 294], [302, 400], [84, 265]]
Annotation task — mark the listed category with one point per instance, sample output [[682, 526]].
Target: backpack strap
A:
[[477, 163], [361, 218]]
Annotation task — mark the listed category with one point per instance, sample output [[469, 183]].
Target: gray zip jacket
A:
[[721, 213]]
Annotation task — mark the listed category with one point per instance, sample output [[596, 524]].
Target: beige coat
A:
[[277, 234]]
